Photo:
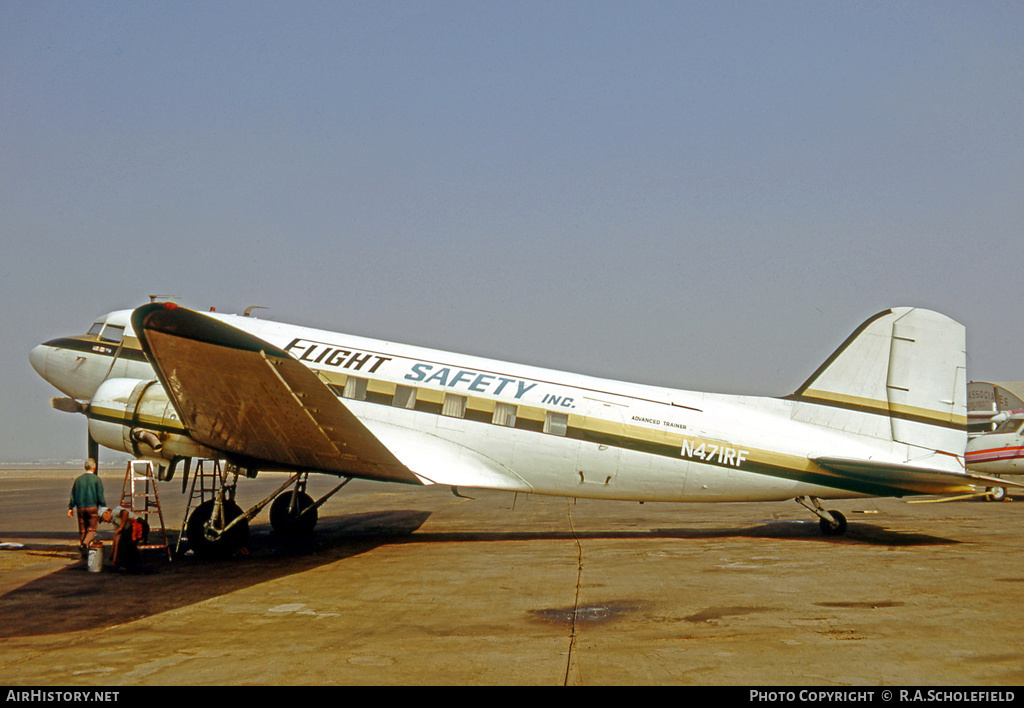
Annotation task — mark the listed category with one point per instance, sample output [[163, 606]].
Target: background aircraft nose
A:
[[37, 357]]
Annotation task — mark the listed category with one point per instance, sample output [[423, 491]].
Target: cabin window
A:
[[454, 406], [504, 414], [556, 423], [405, 397], [355, 388], [112, 333]]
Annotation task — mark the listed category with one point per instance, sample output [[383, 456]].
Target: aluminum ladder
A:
[[139, 494]]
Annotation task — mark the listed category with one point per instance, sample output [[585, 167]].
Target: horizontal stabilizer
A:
[[905, 478]]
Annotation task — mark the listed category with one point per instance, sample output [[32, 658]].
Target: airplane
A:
[[884, 415], [999, 452]]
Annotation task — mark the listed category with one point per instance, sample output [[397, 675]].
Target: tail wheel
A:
[[285, 519], [833, 530], [223, 545]]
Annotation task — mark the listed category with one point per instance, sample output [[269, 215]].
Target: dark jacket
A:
[[87, 491]]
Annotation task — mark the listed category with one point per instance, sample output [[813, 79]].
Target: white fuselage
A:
[[491, 424]]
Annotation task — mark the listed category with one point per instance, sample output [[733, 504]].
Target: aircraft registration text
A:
[[710, 452]]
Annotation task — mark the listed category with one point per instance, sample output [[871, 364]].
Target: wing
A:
[[239, 394]]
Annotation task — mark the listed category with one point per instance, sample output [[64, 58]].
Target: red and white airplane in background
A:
[[1000, 452], [885, 415]]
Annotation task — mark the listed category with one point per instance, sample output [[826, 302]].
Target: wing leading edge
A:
[[237, 393]]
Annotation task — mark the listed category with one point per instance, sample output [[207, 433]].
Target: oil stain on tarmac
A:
[[590, 615]]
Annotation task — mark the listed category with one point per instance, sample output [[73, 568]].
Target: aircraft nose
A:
[[37, 357]]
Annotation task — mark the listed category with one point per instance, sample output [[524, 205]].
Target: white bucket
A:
[[95, 559]]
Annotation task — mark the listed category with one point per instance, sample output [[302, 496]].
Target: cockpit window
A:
[[112, 333], [1010, 426], [96, 327]]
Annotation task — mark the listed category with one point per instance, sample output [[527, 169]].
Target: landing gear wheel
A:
[[996, 493], [287, 522], [828, 529], [224, 545]]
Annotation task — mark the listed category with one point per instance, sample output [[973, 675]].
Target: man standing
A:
[[87, 497]]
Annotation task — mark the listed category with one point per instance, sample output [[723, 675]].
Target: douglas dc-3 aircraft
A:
[[885, 415]]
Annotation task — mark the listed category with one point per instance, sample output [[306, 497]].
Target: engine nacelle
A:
[[136, 416]]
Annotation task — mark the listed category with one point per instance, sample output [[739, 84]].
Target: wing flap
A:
[[436, 460], [237, 393]]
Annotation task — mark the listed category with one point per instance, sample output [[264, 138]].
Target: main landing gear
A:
[[995, 493], [218, 528], [293, 514], [831, 522]]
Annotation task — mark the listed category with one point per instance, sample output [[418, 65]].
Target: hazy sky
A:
[[706, 195]]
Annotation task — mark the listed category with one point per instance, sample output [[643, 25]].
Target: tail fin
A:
[[901, 376]]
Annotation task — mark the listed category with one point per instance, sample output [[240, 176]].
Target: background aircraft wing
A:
[[237, 393]]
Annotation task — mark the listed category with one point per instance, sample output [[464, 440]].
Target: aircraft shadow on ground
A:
[[72, 599], [857, 533]]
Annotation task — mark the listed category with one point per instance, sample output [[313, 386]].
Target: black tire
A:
[[828, 530], [285, 522], [227, 543]]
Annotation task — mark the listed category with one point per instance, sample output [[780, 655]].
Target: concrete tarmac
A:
[[405, 585]]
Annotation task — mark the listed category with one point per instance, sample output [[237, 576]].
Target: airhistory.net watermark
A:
[[49, 696]]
